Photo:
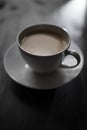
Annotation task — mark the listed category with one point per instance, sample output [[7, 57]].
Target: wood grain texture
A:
[[22, 108]]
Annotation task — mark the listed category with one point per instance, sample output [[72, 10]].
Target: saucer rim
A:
[[14, 79]]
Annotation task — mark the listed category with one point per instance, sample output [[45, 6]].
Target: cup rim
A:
[[64, 30]]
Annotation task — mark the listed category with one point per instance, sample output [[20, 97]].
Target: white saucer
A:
[[20, 72]]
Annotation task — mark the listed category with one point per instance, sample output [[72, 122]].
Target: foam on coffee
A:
[[43, 44]]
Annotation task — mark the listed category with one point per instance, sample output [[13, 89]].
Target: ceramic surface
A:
[[20, 72]]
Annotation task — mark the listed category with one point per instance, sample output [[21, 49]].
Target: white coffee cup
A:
[[44, 47]]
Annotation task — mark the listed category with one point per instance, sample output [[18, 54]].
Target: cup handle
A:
[[75, 55]]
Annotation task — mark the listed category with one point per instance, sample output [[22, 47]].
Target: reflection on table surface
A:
[[24, 108]]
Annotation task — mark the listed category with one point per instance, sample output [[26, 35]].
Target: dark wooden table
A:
[[25, 108]]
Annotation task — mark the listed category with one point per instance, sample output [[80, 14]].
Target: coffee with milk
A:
[[43, 44]]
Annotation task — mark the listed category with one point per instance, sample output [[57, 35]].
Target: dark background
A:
[[25, 108]]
